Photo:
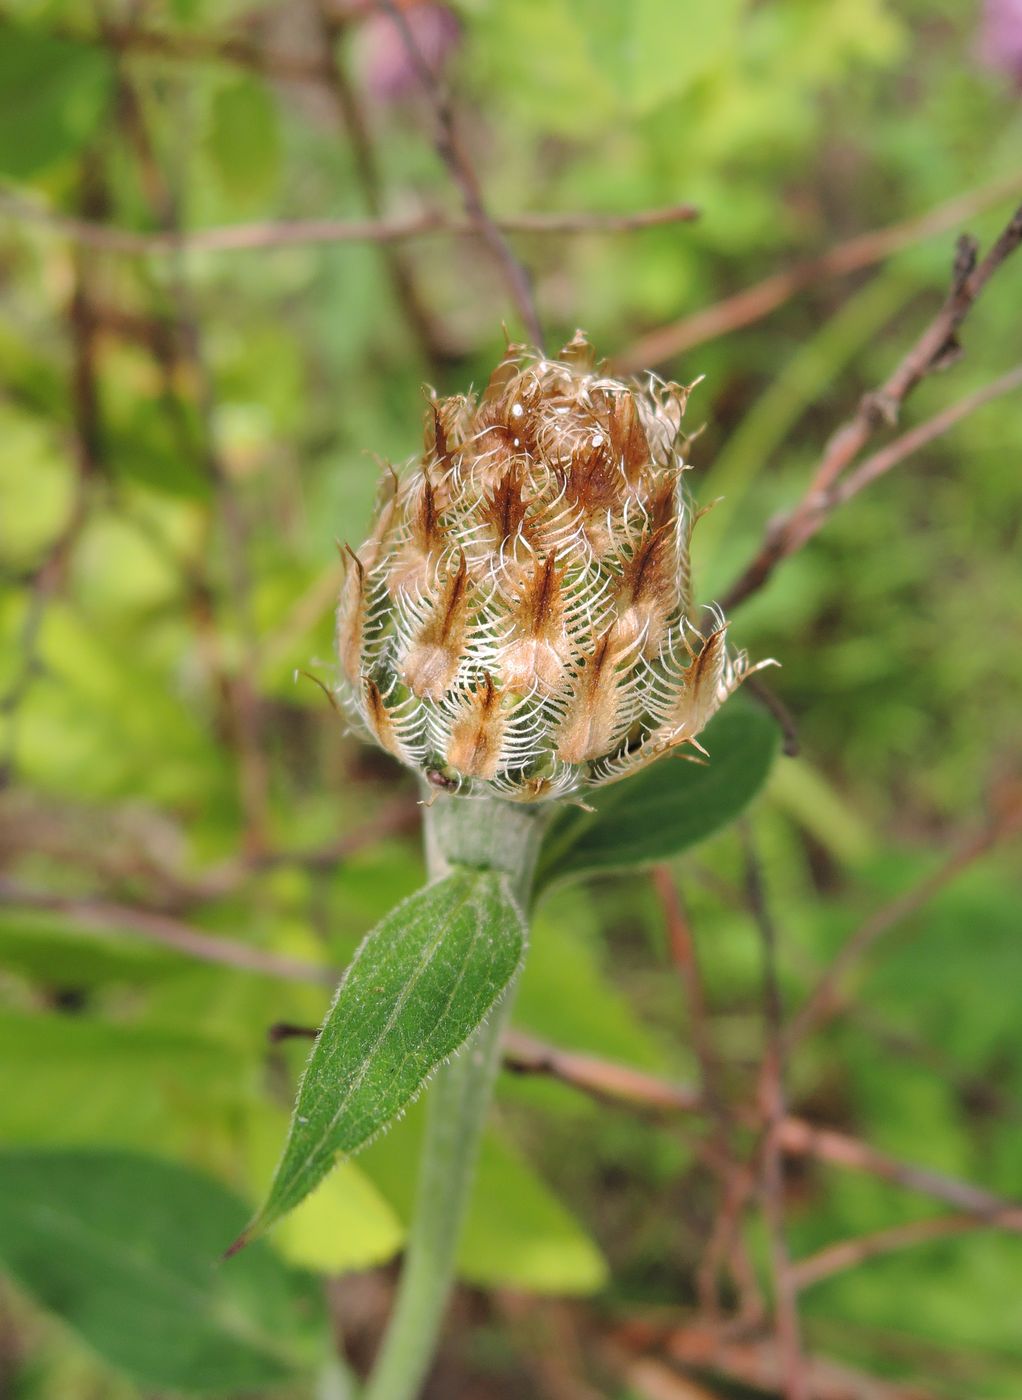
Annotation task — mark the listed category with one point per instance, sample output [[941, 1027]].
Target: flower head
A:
[[520, 620]]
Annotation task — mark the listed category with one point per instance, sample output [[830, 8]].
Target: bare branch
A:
[[271, 234], [789, 1331], [849, 1254], [603, 1079], [349, 109], [452, 152], [802, 1139], [934, 349], [758, 301], [105, 916], [824, 1000]]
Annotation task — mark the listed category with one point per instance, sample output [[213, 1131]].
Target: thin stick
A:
[[367, 170], [800, 1138], [758, 301], [824, 1001], [270, 234], [451, 151], [191, 48], [102, 916], [724, 1242], [603, 1079], [788, 535], [849, 1254], [789, 1331], [935, 348], [681, 945]]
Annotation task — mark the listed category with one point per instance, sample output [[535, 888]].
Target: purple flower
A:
[[387, 67], [1000, 38]]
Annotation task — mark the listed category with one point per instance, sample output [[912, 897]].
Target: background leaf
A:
[[244, 140], [53, 92], [124, 1248], [517, 1234], [670, 805], [344, 1224], [421, 983]]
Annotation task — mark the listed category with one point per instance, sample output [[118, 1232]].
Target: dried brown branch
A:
[[788, 535], [603, 1079], [789, 1330], [803, 1139], [349, 108], [452, 153], [105, 916], [681, 946], [758, 301], [271, 234], [48, 577], [757, 1363], [824, 1001], [606, 1080], [242, 707], [242, 52], [849, 1254], [725, 1243], [935, 349]]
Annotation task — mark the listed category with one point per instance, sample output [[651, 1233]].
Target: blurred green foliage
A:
[[184, 435]]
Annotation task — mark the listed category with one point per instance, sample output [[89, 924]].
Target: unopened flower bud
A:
[[520, 620]]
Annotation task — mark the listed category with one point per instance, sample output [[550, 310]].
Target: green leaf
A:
[[670, 805], [517, 1234], [420, 984], [652, 50], [53, 93], [81, 1079], [124, 1248], [345, 1223], [244, 140]]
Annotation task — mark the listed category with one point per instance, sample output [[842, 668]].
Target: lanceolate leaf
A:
[[668, 806], [421, 983], [124, 1248]]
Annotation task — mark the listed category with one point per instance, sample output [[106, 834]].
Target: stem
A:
[[481, 832]]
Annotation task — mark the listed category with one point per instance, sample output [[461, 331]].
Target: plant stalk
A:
[[482, 833]]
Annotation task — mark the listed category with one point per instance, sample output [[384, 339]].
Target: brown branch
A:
[[454, 156], [334, 30], [824, 1000], [758, 301], [681, 946], [106, 916], [242, 704], [270, 234], [47, 578], [849, 1254], [603, 1079], [800, 1138], [789, 534], [934, 349], [757, 1363], [789, 1330], [725, 1242], [129, 40], [606, 1080]]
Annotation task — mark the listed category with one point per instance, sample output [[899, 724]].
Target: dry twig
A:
[[934, 349], [824, 1000], [454, 156], [789, 1331], [756, 302]]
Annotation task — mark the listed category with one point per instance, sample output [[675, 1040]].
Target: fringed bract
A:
[[519, 621]]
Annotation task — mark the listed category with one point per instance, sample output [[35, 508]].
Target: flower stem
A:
[[484, 833]]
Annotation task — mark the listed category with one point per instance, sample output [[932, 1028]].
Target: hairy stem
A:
[[480, 832]]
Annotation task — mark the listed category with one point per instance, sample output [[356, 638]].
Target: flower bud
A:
[[520, 621]]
